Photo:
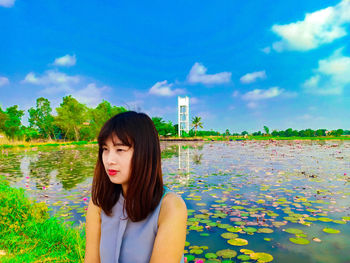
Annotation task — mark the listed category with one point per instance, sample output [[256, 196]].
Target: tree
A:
[[163, 128], [267, 130], [71, 116], [12, 124], [196, 122], [41, 118], [3, 118], [98, 116], [244, 133]]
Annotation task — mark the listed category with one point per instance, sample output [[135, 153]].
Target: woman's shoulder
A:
[[172, 205]]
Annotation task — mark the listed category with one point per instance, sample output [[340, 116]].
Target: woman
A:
[[132, 217]]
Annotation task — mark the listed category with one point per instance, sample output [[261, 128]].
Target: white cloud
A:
[[4, 81], [162, 88], [53, 81], [7, 3], [198, 75], [65, 61], [266, 50], [317, 28], [252, 77], [235, 93], [194, 100], [331, 77], [259, 94], [91, 95], [252, 105], [50, 77]]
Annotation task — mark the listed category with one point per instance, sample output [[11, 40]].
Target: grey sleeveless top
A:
[[124, 241]]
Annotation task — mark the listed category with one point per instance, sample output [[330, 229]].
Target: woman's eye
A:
[[120, 150], [104, 149]]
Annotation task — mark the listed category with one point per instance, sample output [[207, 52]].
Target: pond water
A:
[[251, 200]]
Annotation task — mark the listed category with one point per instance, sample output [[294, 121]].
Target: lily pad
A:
[[265, 230], [210, 255], [250, 229], [234, 229], [299, 240], [331, 230], [229, 235], [243, 257], [262, 257], [226, 253], [238, 242]]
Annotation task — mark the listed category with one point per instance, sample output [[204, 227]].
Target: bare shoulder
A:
[[172, 206]]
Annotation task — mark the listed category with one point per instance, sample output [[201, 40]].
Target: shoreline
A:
[[51, 143]]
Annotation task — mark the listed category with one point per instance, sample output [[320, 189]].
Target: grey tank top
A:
[[124, 241]]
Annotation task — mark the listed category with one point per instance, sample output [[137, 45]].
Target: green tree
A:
[[244, 133], [3, 118], [99, 115], [267, 130], [12, 124], [196, 122], [163, 128], [70, 118], [40, 118]]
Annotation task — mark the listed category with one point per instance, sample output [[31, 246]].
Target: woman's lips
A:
[[112, 172]]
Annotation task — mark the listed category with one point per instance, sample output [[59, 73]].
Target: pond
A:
[[248, 201]]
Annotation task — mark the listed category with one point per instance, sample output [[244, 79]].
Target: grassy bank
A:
[[29, 234], [51, 143]]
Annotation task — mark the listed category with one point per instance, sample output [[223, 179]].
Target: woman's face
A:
[[116, 159]]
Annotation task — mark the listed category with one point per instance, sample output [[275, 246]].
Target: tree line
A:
[[77, 122]]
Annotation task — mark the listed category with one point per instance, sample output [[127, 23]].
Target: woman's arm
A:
[[93, 234], [170, 240]]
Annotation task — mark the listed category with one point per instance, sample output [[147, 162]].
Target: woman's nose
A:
[[111, 159]]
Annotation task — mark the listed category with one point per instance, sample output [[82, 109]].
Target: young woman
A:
[[132, 217]]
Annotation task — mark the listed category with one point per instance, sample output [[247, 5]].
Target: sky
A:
[[243, 64]]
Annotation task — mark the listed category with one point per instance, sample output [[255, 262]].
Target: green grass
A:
[[29, 234]]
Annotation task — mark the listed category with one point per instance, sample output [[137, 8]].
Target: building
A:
[[183, 115]]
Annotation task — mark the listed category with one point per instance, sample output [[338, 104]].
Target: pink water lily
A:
[[44, 187], [84, 199], [199, 261], [27, 177]]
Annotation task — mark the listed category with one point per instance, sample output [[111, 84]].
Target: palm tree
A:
[[196, 122]]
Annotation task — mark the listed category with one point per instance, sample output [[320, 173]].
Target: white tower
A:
[[183, 114]]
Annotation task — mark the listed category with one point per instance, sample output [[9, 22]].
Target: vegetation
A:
[[196, 122], [77, 122], [28, 234]]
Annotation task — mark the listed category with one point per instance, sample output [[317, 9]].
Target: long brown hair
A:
[[145, 186]]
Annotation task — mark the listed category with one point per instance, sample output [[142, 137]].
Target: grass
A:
[[29, 234]]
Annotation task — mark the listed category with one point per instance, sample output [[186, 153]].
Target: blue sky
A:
[[244, 64]]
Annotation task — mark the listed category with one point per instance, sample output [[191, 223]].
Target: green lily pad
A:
[[243, 257], [331, 230], [224, 226], [226, 253], [346, 218], [265, 230], [299, 240], [262, 257], [204, 234], [325, 219], [234, 229], [189, 257], [238, 242], [250, 229], [210, 255], [339, 222], [196, 251], [293, 231], [229, 235]]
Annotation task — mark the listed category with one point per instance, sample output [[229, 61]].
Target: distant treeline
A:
[[77, 122]]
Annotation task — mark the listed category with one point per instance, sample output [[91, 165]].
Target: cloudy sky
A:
[[244, 64]]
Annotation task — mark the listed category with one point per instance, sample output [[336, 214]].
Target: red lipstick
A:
[[112, 172]]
